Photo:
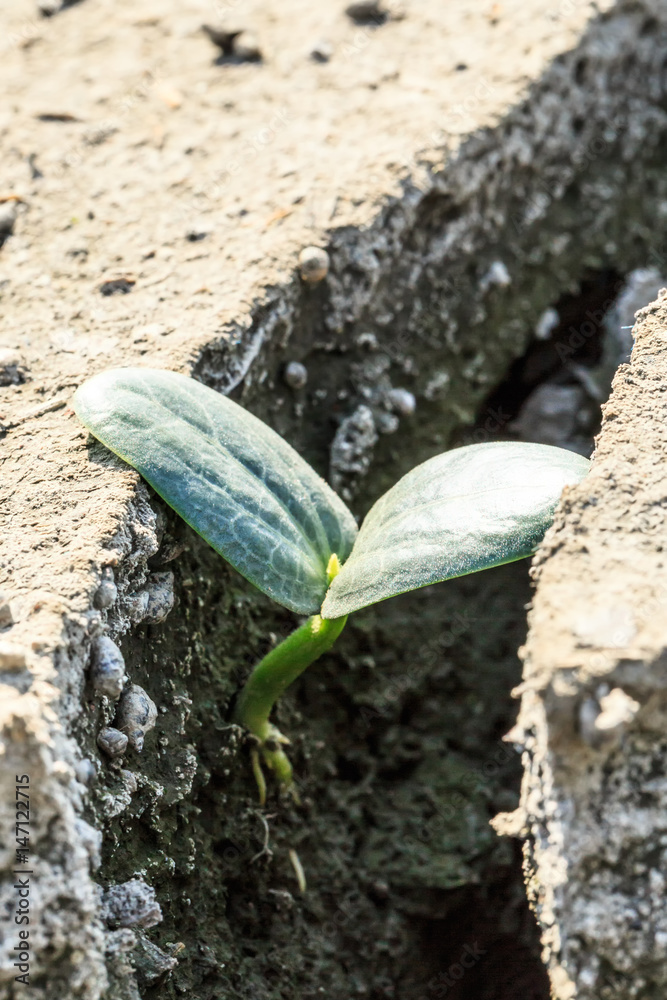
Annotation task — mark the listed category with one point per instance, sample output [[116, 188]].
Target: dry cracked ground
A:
[[483, 178]]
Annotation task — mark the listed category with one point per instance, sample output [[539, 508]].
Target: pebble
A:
[[112, 741], [107, 592], [352, 450], [8, 215], [120, 942], [295, 375], [131, 904], [117, 286], [136, 605], [107, 670], [401, 401], [12, 367], [497, 275], [12, 657], [151, 962], [550, 414], [322, 51], [129, 780], [223, 39], [5, 612], [246, 48], [136, 715], [91, 839], [313, 265], [367, 10], [386, 423], [48, 8], [368, 341], [239, 46], [160, 590], [85, 771], [546, 324]]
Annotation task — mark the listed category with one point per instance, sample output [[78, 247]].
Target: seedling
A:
[[268, 513]]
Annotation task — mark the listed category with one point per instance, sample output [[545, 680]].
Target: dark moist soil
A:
[[398, 752]]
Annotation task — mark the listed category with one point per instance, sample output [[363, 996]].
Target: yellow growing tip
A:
[[333, 567]]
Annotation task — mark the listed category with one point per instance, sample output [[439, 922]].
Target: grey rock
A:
[[401, 401], [295, 375], [160, 590], [352, 451], [6, 618], [131, 904], [112, 741], [313, 265], [107, 592], [107, 669], [12, 367], [136, 715]]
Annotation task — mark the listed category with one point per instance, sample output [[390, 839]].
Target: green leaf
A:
[[466, 510], [232, 478]]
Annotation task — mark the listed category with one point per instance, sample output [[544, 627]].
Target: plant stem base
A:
[[270, 678]]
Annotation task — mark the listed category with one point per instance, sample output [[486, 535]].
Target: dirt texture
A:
[[463, 167], [592, 715]]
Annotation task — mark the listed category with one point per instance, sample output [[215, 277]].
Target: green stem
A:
[[269, 680]]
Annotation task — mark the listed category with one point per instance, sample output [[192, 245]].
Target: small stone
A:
[[618, 710], [367, 11], [368, 341], [129, 780], [91, 840], [313, 264], [136, 605], [295, 375], [160, 590], [401, 401], [107, 592], [131, 904], [117, 286], [322, 51], [151, 962], [497, 275], [48, 8], [235, 46], [549, 415], [12, 367], [8, 215], [223, 39], [352, 450], [386, 423], [546, 324], [85, 771], [107, 671], [112, 741], [246, 48], [12, 657], [6, 617], [136, 715], [120, 942]]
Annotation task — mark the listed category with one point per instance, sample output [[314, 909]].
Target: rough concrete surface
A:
[[593, 708], [463, 167]]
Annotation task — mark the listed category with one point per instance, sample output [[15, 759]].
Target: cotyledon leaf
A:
[[466, 510], [233, 479]]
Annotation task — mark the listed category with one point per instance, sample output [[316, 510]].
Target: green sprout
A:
[[267, 512]]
